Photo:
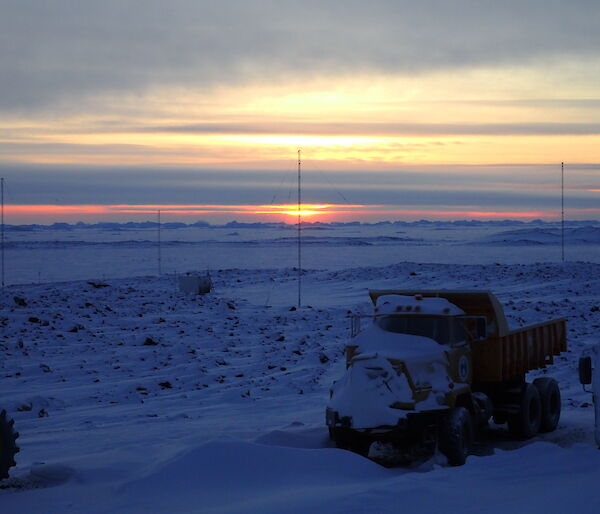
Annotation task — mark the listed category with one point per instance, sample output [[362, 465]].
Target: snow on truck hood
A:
[[393, 304], [371, 385], [366, 392]]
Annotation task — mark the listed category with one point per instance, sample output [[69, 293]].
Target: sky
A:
[[405, 110]]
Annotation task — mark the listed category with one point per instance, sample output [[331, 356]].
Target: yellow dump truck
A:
[[432, 367]]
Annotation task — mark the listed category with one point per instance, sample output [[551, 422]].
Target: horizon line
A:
[[305, 222], [326, 213]]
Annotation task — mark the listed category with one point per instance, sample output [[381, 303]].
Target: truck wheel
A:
[[526, 422], [8, 448], [351, 442], [550, 398], [360, 445], [456, 436]]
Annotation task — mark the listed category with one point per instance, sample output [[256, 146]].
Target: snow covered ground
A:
[[35, 255], [135, 398]]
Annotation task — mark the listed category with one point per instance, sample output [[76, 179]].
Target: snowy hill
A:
[[545, 236]]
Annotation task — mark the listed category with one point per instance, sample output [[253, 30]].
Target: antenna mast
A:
[[299, 231], [562, 209], [159, 256]]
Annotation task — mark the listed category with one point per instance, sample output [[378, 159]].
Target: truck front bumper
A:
[[416, 430]]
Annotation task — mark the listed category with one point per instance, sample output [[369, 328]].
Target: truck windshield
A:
[[442, 329]]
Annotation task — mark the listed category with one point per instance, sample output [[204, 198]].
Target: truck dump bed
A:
[[504, 354], [519, 351]]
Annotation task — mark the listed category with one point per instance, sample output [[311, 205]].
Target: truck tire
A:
[[8, 448], [456, 436], [351, 442], [550, 398], [526, 422]]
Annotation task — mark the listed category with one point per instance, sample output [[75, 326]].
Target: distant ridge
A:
[[134, 225]]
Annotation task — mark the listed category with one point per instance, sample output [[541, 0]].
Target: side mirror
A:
[[585, 370]]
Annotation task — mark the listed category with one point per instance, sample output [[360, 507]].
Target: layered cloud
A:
[[93, 193], [71, 50]]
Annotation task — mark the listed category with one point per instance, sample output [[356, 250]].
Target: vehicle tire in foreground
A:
[[8, 447], [456, 436], [550, 399], [526, 422]]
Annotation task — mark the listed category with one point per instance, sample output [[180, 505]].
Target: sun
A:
[[291, 210]]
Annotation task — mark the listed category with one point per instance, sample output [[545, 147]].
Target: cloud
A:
[[379, 129], [69, 50], [496, 187]]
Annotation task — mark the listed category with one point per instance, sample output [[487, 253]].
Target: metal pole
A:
[[299, 231], [159, 256], [562, 209]]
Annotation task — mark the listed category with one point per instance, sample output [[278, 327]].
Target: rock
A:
[[98, 285]]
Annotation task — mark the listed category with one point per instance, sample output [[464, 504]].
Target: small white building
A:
[[194, 283]]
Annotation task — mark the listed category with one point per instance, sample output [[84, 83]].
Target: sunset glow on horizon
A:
[[215, 214], [402, 111]]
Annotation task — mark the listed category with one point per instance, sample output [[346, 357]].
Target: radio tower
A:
[[158, 238], [299, 230], [562, 210]]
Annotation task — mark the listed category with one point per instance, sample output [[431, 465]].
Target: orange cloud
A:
[[269, 211], [326, 212], [43, 210]]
